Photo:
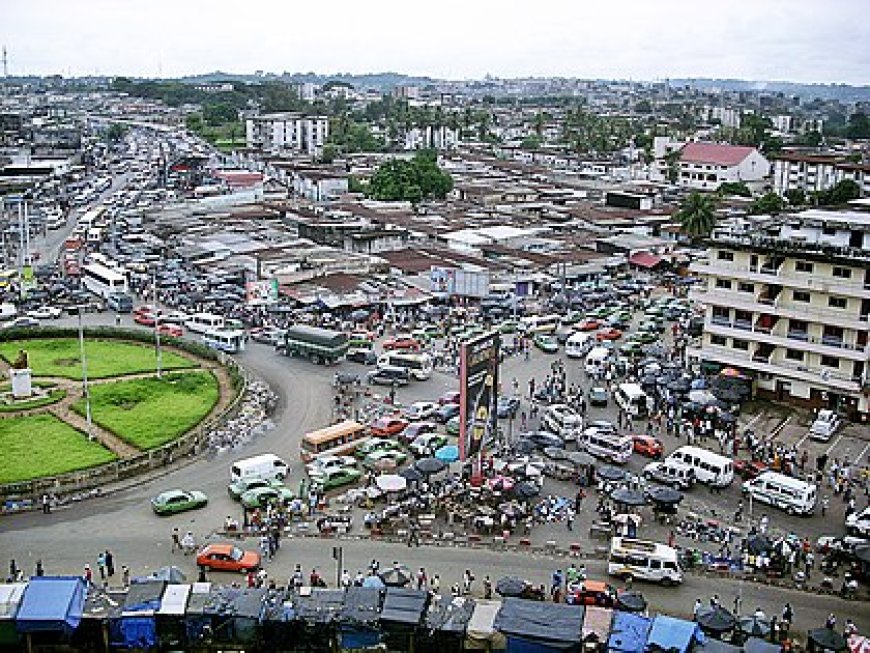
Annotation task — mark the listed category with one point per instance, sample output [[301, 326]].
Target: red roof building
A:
[[705, 166]]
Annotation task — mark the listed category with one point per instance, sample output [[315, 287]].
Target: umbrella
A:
[[411, 474], [555, 453], [754, 627], [580, 458], [758, 544], [610, 473], [524, 446], [526, 490], [448, 453], [631, 602], [716, 620], [501, 483], [373, 582], [391, 482], [664, 495], [169, 574], [827, 638], [430, 466], [510, 586], [703, 397], [396, 576], [628, 497]]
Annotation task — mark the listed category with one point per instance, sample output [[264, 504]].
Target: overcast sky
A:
[[796, 40]]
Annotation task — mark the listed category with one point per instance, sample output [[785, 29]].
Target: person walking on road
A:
[[176, 539]]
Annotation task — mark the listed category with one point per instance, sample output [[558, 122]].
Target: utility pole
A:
[[85, 391], [338, 556], [157, 325]]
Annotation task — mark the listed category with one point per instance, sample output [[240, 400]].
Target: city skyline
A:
[[767, 41]]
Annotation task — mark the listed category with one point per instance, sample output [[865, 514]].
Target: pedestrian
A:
[[39, 570], [421, 579], [176, 539], [101, 565], [831, 621], [696, 611], [88, 575], [824, 505], [487, 588], [125, 575], [787, 616], [110, 564], [569, 519], [467, 580], [46, 504], [435, 584]]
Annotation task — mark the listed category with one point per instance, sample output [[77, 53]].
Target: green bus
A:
[[318, 345]]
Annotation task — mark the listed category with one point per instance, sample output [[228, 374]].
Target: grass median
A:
[[150, 412], [42, 445], [106, 358]]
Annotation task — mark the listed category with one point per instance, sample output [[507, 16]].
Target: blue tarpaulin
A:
[[673, 635], [51, 603], [137, 627], [552, 623], [628, 632]]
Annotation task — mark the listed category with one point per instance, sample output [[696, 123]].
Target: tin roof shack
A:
[[319, 612], [402, 617], [481, 634], [359, 618], [543, 627], [10, 601], [197, 625], [137, 626], [235, 616], [446, 621], [170, 616], [280, 623], [51, 609], [100, 609]]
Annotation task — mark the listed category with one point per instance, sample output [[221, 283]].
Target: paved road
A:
[[122, 521]]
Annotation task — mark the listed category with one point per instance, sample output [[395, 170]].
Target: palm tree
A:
[[697, 215]]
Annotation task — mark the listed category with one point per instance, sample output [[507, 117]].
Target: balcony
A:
[[810, 343]]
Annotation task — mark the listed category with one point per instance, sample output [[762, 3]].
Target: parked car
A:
[[447, 412], [507, 407], [415, 429], [23, 322], [451, 397], [45, 313], [325, 464], [402, 341], [547, 344], [544, 439], [237, 488], [427, 444], [608, 334], [172, 502], [375, 445], [364, 356], [262, 496], [598, 396], [453, 425], [387, 426], [227, 557], [647, 445], [420, 410], [384, 459], [171, 330], [333, 478]]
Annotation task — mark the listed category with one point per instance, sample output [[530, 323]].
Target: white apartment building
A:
[[705, 166], [787, 303], [439, 138], [280, 133], [814, 172]]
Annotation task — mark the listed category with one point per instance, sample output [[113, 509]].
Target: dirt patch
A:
[[66, 362]]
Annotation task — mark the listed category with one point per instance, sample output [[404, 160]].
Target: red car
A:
[[402, 342], [145, 319], [589, 324], [749, 469], [172, 330], [387, 426], [451, 397], [647, 445], [608, 334], [227, 557]]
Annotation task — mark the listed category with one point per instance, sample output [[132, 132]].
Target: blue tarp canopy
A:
[[137, 627], [673, 635], [404, 606], [359, 618], [550, 622], [628, 632], [51, 603]]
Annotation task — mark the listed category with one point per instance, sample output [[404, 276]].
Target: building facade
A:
[[705, 166], [287, 132], [815, 172], [787, 304]]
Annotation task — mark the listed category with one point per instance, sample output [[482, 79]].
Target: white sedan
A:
[[324, 464], [421, 410], [45, 313]]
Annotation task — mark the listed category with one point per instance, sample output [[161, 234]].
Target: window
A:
[[725, 255], [831, 361], [740, 344], [829, 230], [837, 302], [794, 354], [801, 296], [745, 287], [842, 273], [723, 283], [803, 266], [718, 340]]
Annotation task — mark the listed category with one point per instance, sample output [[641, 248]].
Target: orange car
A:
[[589, 324], [609, 334], [647, 445], [402, 342], [387, 426], [170, 330], [591, 592], [227, 557]]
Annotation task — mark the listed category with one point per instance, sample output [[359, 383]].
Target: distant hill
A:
[[842, 92], [384, 80]]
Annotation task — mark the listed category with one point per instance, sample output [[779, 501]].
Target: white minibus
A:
[[644, 560], [204, 322], [267, 466], [419, 366], [578, 344], [632, 399], [230, 341], [103, 281], [784, 492], [539, 323], [596, 359], [710, 468], [613, 448]]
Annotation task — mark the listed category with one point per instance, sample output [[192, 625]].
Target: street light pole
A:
[[157, 324], [85, 391]]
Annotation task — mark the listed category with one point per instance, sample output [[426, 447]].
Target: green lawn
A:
[[150, 412], [106, 358], [36, 402], [42, 445]]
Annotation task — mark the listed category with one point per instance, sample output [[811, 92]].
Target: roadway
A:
[[122, 521]]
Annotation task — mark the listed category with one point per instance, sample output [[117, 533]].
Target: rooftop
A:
[[715, 153]]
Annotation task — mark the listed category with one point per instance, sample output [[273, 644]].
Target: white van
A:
[[267, 466], [204, 322], [632, 399], [596, 359], [539, 324], [613, 448], [562, 420], [709, 467], [644, 560], [670, 472], [784, 492], [578, 344]]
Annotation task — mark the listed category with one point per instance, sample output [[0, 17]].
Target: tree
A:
[[845, 191], [767, 204], [858, 125], [697, 215], [643, 106], [734, 188], [796, 196], [410, 181], [218, 113], [116, 132]]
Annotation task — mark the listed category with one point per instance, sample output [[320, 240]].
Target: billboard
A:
[[258, 293], [442, 280], [478, 393], [456, 281]]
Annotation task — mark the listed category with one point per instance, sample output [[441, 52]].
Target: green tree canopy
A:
[[410, 181], [697, 215], [844, 191], [796, 196], [734, 188], [767, 204]]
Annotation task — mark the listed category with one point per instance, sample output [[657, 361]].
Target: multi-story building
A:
[[705, 166], [787, 303], [815, 172], [287, 132]]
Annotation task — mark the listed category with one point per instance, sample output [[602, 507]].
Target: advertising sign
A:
[[442, 280], [478, 393], [456, 281], [258, 293]]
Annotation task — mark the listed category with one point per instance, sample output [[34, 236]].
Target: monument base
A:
[[22, 388]]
